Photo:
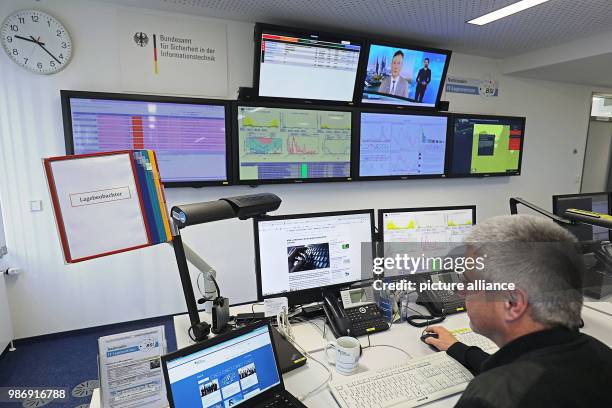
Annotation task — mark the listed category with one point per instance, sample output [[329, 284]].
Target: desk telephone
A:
[[442, 302], [358, 314]]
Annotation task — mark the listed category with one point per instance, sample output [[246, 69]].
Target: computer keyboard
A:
[[468, 337], [418, 382]]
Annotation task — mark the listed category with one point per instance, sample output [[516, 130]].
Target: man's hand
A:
[[445, 338]]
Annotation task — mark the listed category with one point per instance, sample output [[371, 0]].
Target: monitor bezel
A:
[[236, 142], [456, 116], [67, 95], [305, 296], [364, 65], [357, 145], [299, 31], [211, 342], [556, 197]]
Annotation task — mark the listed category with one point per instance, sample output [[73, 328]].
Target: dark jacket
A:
[[551, 368], [424, 75]]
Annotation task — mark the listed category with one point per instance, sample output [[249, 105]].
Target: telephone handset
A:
[[358, 315], [442, 302], [336, 316]]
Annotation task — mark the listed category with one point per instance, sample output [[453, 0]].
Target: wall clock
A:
[[36, 41]]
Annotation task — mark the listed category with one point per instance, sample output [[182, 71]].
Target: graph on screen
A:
[[276, 143], [426, 233], [402, 145], [188, 139], [427, 226]]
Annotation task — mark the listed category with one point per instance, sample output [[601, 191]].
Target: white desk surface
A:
[[304, 379]]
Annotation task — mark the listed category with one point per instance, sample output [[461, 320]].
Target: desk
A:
[[304, 379]]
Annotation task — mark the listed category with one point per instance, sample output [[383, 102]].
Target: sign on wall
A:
[[177, 55], [486, 86]]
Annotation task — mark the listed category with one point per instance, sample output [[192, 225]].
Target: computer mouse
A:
[[426, 335]]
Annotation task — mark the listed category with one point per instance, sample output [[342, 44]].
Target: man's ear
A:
[[516, 304]]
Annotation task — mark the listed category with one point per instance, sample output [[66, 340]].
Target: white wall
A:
[[50, 296], [6, 327]]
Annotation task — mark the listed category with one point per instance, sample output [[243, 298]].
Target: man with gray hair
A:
[[543, 360]]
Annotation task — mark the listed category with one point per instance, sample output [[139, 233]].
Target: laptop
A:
[[235, 369]]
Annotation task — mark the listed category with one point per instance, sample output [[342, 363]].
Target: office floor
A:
[[66, 360]]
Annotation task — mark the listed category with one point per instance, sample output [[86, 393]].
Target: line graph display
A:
[[427, 226], [281, 143], [426, 233], [264, 145], [402, 145]]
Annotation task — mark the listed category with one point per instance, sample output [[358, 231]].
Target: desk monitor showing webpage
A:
[[297, 255], [402, 76], [189, 136], [402, 145], [292, 145], [596, 202], [430, 231], [304, 65], [227, 374], [487, 145]]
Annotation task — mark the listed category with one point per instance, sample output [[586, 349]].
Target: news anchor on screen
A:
[[423, 79], [395, 84]]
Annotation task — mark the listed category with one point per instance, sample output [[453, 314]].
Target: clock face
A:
[[36, 41]]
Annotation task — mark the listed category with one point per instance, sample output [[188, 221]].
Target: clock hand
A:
[[46, 50], [37, 40], [27, 39]]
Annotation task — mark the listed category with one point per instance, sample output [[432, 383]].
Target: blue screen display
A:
[[227, 374], [402, 76]]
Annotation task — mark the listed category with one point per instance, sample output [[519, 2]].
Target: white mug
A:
[[348, 351]]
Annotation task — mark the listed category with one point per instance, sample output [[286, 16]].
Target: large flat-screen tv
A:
[[190, 136], [401, 145], [484, 145], [281, 144], [403, 76], [297, 64]]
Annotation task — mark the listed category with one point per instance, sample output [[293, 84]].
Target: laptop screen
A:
[[226, 374]]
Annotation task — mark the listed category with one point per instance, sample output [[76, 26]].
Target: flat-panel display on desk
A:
[[274, 144], [189, 136], [403, 76], [401, 145], [484, 145], [298, 64]]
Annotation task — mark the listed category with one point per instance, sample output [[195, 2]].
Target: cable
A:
[[253, 306], [284, 328], [212, 278], [370, 345]]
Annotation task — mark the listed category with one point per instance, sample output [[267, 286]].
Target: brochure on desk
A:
[[130, 369]]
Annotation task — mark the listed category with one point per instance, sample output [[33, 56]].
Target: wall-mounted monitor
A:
[[403, 76], [274, 144], [401, 145], [297, 64], [190, 136], [485, 145]]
